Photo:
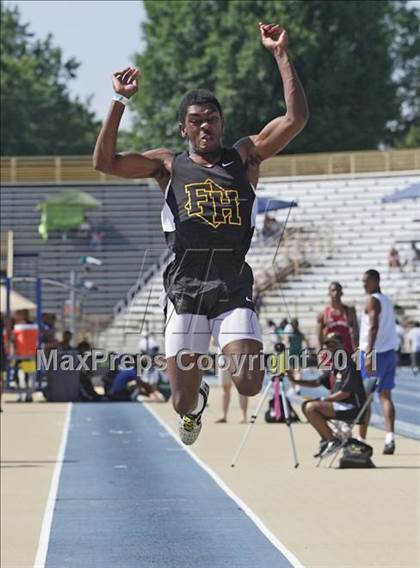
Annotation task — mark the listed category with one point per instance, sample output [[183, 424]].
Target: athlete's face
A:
[[335, 293], [203, 128], [370, 284]]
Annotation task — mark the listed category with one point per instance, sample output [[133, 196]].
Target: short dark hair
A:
[[197, 97], [337, 285], [373, 274]]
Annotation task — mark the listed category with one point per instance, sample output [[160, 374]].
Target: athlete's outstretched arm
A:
[[153, 163], [280, 131]]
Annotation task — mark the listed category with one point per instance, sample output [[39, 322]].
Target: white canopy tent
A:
[[17, 301]]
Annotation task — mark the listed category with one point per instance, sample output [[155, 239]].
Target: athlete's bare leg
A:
[[388, 409], [243, 403], [247, 377], [225, 402], [185, 384], [363, 427], [317, 412]]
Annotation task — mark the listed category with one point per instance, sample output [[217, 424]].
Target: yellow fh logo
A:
[[213, 204]]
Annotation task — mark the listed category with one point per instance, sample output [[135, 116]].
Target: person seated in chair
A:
[[346, 398]]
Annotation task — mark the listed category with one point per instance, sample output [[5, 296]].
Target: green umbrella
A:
[[72, 198], [64, 211]]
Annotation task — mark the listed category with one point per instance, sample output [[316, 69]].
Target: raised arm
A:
[[151, 164], [280, 131]]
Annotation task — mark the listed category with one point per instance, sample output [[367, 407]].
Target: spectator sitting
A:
[[148, 384], [394, 259], [65, 343], [96, 240], [84, 230], [87, 390], [127, 385], [414, 258], [344, 402], [120, 389], [271, 227]]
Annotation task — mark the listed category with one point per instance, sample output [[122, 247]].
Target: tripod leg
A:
[[288, 422], [252, 422]]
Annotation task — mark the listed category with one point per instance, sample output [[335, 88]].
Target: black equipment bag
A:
[[356, 454], [270, 415]]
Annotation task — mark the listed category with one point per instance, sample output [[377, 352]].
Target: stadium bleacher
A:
[[130, 220], [340, 228]]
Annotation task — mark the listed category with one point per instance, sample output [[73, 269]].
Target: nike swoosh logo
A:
[[227, 164], [248, 299]]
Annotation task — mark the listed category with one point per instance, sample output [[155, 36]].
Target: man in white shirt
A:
[[414, 340], [378, 344]]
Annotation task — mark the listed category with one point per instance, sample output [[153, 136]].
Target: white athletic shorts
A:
[[342, 406], [193, 332]]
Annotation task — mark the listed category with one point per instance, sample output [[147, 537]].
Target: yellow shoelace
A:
[[188, 423]]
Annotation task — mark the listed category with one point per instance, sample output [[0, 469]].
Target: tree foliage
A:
[[355, 60], [37, 115]]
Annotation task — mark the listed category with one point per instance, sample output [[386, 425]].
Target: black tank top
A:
[[209, 209]]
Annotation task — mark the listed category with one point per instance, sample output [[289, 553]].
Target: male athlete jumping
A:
[[208, 218]]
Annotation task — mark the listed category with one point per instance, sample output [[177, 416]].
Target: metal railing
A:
[[127, 302], [78, 169]]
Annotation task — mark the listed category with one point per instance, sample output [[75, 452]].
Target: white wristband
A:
[[121, 99]]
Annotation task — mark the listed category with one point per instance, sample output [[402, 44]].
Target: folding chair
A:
[[370, 387]]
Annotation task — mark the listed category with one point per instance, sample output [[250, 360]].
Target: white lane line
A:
[[406, 392], [402, 428], [44, 537], [254, 518], [405, 406]]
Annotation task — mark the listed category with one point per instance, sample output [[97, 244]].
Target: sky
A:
[[101, 35]]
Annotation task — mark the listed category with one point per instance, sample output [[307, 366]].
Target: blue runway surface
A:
[[406, 396], [129, 496]]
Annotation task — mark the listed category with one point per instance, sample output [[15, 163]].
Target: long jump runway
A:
[[130, 496]]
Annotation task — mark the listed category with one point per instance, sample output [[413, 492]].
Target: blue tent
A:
[[266, 204], [410, 192]]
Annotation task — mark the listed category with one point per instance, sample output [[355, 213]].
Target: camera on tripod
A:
[[279, 347], [280, 410], [279, 363]]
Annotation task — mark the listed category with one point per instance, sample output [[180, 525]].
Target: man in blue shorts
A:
[[378, 344]]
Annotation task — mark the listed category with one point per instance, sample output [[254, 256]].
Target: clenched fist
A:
[[125, 82], [273, 37]]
